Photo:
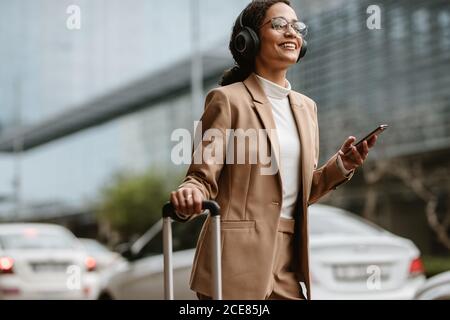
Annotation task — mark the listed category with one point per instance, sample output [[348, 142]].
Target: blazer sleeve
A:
[[329, 176], [209, 154]]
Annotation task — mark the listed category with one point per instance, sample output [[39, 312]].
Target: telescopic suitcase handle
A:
[[169, 214], [212, 206]]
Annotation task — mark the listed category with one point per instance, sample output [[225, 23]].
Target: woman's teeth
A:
[[288, 46]]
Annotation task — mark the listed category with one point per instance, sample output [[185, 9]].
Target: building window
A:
[[398, 24], [444, 26], [421, 27]]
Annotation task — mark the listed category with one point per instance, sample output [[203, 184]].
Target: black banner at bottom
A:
[[181, 309]]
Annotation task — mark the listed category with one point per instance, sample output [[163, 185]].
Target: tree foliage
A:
[[130, 204]]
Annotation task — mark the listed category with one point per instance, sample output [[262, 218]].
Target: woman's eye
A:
[[279, 26]]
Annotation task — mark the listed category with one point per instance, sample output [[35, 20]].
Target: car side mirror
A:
[[125, 251]]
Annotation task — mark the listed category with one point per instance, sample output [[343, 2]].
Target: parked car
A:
[[435, 288], [351, 258], [44, 261], [104, 257], [107, 262]]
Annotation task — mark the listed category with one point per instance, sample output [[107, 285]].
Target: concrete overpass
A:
[[130, 98]]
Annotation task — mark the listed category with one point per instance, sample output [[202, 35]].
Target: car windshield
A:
[[346, 224], [33, 239]]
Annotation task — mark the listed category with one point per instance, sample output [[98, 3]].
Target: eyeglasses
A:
[[281, 25]]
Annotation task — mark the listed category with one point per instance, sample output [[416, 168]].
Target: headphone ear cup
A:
[[247, 43], [303, 50], [255, 42], [241, 42]]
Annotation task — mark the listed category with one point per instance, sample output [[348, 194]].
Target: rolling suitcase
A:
[[216, 261]]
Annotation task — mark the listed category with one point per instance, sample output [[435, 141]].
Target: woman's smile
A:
[[288, 49], [288, 45]]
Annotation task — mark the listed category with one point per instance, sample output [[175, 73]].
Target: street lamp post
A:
[[18, 150], [196, 62]]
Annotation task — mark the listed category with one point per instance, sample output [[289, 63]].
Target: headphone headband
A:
[[241, 24]]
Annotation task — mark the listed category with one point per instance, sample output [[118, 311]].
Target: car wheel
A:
[[105, 296]]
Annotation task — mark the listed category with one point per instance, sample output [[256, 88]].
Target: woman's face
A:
[[272, 54]]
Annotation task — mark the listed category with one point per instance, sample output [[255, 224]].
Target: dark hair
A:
[[253, 16]]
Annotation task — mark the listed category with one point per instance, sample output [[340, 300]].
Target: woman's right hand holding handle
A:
[[187, 201]]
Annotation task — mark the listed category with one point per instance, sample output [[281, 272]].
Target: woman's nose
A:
[[290, 30]]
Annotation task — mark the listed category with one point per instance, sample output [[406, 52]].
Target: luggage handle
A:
[[169, 210], [169, 214]]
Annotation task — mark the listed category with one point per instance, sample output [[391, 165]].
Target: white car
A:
[[435, 288], [44, 261], [350, 259], [104, 257], [107, 262]]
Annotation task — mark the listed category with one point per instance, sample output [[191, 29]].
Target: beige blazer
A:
[[250, 201]]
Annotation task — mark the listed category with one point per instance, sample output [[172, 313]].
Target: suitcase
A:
[[216, 261]]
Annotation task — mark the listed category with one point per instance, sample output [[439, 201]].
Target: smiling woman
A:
[[263, 216]]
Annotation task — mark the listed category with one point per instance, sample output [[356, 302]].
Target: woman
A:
[[264, 215]]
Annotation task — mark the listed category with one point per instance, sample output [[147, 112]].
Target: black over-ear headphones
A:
[[247, 42]]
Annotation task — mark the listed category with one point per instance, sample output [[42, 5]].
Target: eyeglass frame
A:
[[289, 23]]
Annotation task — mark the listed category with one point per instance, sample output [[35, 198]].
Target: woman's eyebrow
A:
[[293, 20]]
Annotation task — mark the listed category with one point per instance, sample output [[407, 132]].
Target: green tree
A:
[[130, 204]]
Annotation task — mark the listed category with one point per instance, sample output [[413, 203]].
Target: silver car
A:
[[350, 259], [44, 261], [435, 288], [104, 257]]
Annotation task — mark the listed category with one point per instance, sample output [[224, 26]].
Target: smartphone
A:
[[378, 130]]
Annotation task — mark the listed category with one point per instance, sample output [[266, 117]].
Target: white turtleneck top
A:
[[289, 142]]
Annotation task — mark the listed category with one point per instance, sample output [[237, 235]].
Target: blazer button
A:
[[276, 203]]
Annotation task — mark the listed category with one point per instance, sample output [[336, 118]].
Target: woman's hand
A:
[[353, 157], [187, 201]]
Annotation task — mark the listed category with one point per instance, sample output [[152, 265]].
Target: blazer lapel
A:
[[304, 128], [263, 108]]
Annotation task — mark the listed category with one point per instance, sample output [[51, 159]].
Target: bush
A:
[[130, 204], [435, 264]]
